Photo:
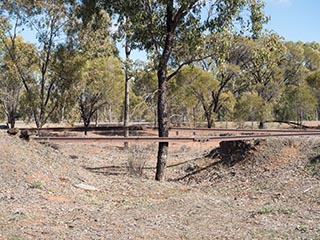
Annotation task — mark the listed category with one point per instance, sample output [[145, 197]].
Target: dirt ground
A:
[[101, 191]]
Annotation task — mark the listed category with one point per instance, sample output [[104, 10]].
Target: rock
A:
[[86, 187]]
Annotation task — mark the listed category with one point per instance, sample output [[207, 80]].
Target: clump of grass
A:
[[302, 228], [37, 184], [136, 160], [313, 167], [266, 210], [271, 210]]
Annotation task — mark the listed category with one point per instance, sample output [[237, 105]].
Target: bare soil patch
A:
[[272, 193]]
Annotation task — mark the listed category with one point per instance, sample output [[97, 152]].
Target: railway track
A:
[[172, 139], [177, 129], [237, 134]]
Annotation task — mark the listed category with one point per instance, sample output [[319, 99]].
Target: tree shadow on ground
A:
[[3, 126], [113, 170], [197, 171], [108, 170]]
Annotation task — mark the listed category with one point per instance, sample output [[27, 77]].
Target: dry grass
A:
[[271, 195]]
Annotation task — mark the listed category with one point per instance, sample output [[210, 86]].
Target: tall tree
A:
[[297, 104], [13, 49], [313, 80], [67, 70], [145, 87], [263, 68], [292, 63], [10, 88], [312, 56], [102, 80], [171, 30], [222, 76], [47, 19]]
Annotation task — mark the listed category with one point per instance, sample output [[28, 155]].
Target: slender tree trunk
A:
[[162, 125], [86, 125], [155, 117], [12, 120], [209, 119], [126, 96], [195, 114], [262, 124]]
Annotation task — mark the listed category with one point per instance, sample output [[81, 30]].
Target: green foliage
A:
[[145, 88], [199, 59], [297, 104], [172, 31], [101, 87], [47, 19], [14, 49], [272, 210], [293, 63], [37, 184], [313, 80], [251, 107], [312, 56]]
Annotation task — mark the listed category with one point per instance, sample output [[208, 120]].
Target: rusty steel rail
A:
[[169, 139], [82, 129], [236, 130], [177, 129]]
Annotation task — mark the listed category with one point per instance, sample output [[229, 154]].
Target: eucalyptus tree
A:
[[313, 81], [145, 86], [250, 107], [312, 56], [47, 20], [102, 83], [264, 71], [67, 71], [172, 31], [14, 47], [90, 39], [293, 63], [297, 104], [10, 88], [221, 76]]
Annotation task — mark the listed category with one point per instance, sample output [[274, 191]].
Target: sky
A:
[[294, 19]]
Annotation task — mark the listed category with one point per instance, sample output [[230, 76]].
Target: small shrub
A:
[[266, 210], [302, 229], [313, 167], [37, 184], [272, 210], [136, 161]]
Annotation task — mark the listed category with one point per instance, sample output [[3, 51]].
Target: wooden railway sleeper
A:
[[201, 140]]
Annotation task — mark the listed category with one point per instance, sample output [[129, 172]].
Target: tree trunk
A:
[[11, 118], [162, 125], [262, 124], [86, 125], [126, 96], [209, 119]]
